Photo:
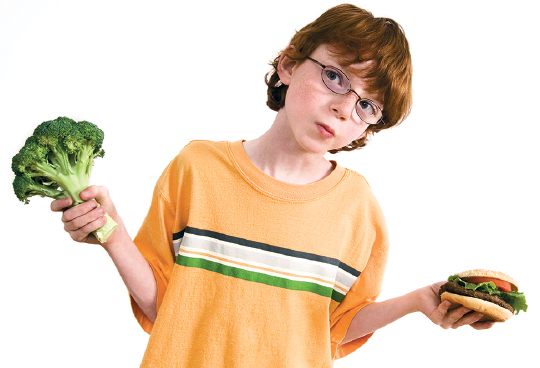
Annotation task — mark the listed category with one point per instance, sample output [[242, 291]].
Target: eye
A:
[[367, 107], [335, 80], [333, 76]]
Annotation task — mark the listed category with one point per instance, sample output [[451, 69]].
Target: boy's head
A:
[[355, 36]]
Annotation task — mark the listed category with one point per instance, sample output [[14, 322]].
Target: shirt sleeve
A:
[[365, 291], [154, 241]]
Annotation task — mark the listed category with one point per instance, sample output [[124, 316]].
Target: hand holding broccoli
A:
[[82, 220], [56, 162]]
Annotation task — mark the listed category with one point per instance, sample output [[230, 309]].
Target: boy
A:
[[263, 253]]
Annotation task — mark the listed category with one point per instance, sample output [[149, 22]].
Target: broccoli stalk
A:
[[56, 162]]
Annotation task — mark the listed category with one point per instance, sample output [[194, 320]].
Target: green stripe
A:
[[259, 277], [337, 296]]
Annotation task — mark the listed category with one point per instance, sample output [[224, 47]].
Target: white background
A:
[[458, 181]]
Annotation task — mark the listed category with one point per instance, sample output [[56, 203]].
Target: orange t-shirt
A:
[[255, 272]]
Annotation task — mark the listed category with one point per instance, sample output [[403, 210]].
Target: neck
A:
[[277, 154]]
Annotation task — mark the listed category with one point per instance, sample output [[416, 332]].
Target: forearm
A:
[[377, 315], [134, 270], [81, 220], [425, 300]]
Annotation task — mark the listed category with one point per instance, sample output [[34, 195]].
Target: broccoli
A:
[[56, 162]]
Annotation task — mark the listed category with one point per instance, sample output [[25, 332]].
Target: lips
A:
[[325, 130]]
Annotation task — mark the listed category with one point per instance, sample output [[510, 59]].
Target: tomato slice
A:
[[503, 286]]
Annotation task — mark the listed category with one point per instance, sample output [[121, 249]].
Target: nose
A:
[[345, 105]]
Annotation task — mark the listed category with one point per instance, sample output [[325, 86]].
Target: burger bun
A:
[[491, 311], [491, 274]]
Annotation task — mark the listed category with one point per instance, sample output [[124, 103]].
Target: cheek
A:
[[300, 96], [303, 93], [361, 132], [354, 133]]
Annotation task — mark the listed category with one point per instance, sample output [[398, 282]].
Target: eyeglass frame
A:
[[380, 121]]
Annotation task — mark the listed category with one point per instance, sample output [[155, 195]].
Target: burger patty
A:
[[453, 287]]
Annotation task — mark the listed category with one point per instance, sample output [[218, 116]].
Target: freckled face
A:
[[321, 120]]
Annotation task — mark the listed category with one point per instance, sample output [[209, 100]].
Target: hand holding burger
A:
[[493, 293], [476, 298]]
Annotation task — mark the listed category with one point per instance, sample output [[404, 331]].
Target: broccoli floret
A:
[[56, 162], [26, 187]]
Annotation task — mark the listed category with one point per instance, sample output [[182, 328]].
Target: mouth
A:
[[325, 130]]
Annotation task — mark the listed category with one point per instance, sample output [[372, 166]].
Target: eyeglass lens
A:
[[337, 82]]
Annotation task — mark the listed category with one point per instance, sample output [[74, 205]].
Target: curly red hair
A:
[[354, 35]]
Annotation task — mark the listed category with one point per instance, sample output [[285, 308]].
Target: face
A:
[[319, 119]]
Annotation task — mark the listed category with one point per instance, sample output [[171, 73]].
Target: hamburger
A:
[[493, 293]]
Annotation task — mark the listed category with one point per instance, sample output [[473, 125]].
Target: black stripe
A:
[[267, 247], [178, 235], [349, 269]]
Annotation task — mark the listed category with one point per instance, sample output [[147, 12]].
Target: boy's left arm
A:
[[425, 300]]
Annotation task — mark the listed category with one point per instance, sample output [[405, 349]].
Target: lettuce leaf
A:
[[514, 298]]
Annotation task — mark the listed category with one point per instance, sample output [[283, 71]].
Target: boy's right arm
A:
[[79, 222]]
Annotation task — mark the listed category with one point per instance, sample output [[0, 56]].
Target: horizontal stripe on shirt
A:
[[263, 263]]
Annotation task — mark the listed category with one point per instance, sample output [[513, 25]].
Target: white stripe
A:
[[331, 274], [271, 259], [266, 272], [327, 281]]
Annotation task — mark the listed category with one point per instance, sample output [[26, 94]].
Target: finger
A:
[[438, 314], [468, 319], [84, 234], [89, 193], [61, 204], [453, 316], [78, 211], [97, 192], [456, 314], [84, 219], [101, 195], [484, 325]]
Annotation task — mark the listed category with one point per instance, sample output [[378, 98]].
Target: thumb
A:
[[100, 194]]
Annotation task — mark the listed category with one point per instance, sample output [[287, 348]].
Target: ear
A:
[[285, 67]]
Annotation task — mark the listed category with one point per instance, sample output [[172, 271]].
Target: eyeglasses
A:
[[338, 82]]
